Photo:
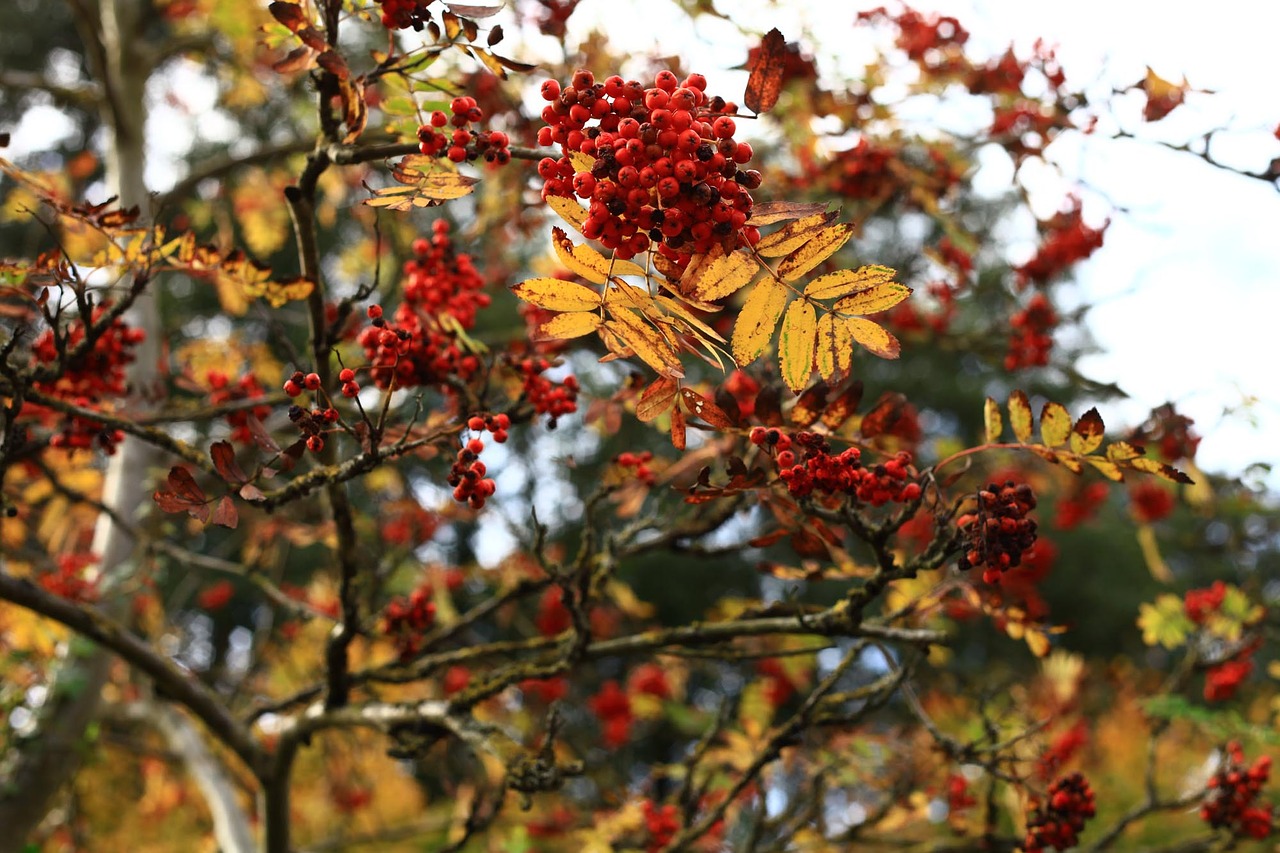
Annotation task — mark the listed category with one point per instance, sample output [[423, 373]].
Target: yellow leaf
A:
[[1165, 622], [1086, 435], [1069, 461], [1055, 424], [845, 282], [644, 340], [874, 299], [1151, 554], [873, 337], [587, 262], [826, 355], [786, 240], [757, 320], [1109, 469], [681, 313], [823, 245], [993, 422], [1020, 415], [1161, 470], [568, 210], [770, 212], [574, 324], [1038, 642], [1122, 451], [581, 162], [718, 273], [557, 295], [795, 344]]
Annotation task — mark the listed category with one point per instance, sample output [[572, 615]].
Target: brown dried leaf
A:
[[765, 83], [657, 398], [702, 407]]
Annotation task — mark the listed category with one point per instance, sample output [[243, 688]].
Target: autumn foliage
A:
[[591, 457]]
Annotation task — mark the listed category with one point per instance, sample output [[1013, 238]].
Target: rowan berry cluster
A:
[[665, 167], [416, 348], [1032, 336], [959, 797], [612, 707], [999, 531], [662, 824], [405, 620], [553, 617], [68, 578], [467, 476], [94, 375], [497, 425], [817, 470], [403, 14], [313, 424], [1151, 502], [1068, 239], [1232, 794], [546, 397], [461, 143], [1058, 823], [246, 388], [640, 462]]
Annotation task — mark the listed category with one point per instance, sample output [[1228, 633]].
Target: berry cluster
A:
[[313, 424], [778, 684], [403, 14], [662, 824], [959, 797], [640, 462], [247, 388], [496, 424], [68, 578], [665, 167], [1231, 797], [1000, 530], [462, 144], [1068, 241], [1150, 502], [612, 707], [1080, 506], [417, 348], [820, 471], [405, 620], [298, 382], [1200, 604], [1032, 336], [545, 396], [467, 476], [95, 375], [650, 679], [1059, 823], [553, 617]]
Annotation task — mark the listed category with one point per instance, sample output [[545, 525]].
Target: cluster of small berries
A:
[[640, 462], [1067, 241], [1222, 679], [1000, 530], [843, 473], [96, 375], [1032, 336], [612, 708], [68, 578], [467, 476], [778, 684], [416, 348], [298, 382], [553, 616], [496, 424], [546, 397], [1231, 797], [665, 167], [403, 14], [405, 620], [463, 144], [959, 797], [247, 388], [1059, 823], [662, 824], [313, 424]]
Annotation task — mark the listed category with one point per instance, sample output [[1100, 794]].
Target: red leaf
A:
[[298, 59], [261, 437], [185, 495], [226, 514], [765, 82], [289, 14], [702, 407], [224, 460], [313, 39], [333, 62], [886, 413]]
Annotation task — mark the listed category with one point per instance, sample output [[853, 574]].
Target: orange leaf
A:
[[648, 345], [705, 409], [718, 273], [657, 398], [765, 83], [677, 429]]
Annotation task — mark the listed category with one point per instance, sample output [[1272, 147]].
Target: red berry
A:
[[312, 381], [346, 375], [292, 388]]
